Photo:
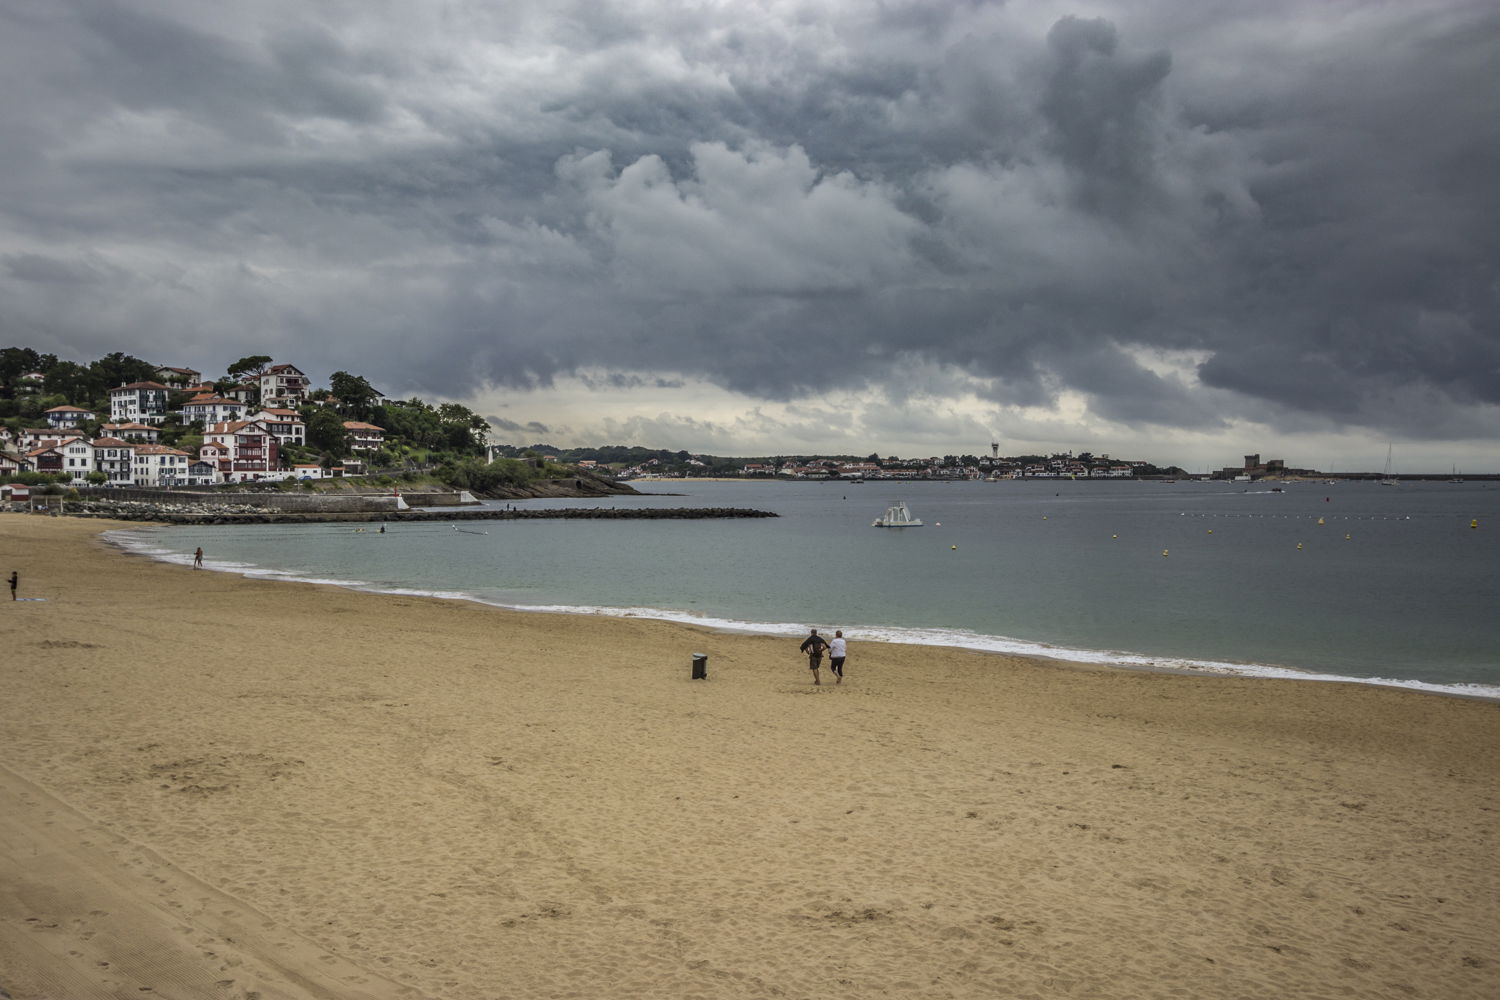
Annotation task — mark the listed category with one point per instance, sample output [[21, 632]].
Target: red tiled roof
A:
[[140, 385]]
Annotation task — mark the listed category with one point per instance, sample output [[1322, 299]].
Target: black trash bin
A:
[[700, 666]]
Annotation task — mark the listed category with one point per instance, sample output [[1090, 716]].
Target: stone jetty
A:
[[238, 513]]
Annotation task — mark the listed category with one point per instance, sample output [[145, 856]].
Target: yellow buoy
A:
[[1347, 537], [954, 547], [1474, 523], [1299, 546], [1210, 531], [1320, 520], [1163, 551], [1114, 536]]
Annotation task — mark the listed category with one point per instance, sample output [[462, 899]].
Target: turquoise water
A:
[[1394, 584]]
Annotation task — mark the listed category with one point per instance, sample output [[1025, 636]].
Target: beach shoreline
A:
[[941, 638], [441, 798]]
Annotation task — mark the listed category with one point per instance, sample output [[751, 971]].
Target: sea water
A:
[[1336, 580]]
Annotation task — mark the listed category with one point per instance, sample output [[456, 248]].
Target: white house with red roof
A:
[[67, 417], [116, 459], [243, 450], [11, 462], [31, 437], [282, 385], [178, 378], [286, 424], [158, 465], [143, 402], [142, 433], [210, 409], [71, 455], [363, 436]]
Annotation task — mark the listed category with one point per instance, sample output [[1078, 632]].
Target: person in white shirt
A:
[[836, 654]]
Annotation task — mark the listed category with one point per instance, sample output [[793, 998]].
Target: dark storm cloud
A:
[[1300, 196], [530, 427]]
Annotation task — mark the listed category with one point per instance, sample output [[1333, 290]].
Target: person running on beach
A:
[[198, 558], [813, 646], [13, 579], [836, 656]]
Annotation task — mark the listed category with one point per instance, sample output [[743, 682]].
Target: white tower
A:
[[994, 449]]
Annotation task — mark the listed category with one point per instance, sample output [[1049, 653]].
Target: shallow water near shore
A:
[[1343, 581]]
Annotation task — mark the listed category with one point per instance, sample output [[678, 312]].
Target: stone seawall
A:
[[135, 512]]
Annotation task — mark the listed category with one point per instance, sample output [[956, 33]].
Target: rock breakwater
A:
[[210, 513]]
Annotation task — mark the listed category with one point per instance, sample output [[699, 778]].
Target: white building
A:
[[363, 436], [116, 459], [207, 409], [287, 425], [282, 385], [71, 455], [66, 417], [158, 465], [243, 450], [142, 402], [132, 432]]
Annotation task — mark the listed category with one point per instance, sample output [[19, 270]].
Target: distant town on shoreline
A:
[[122, 421]]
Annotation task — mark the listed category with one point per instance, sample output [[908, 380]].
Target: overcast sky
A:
[[1178, 231]]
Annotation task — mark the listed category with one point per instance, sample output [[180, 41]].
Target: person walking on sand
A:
[[813, 646], [836, 654], [13, 580], [198, 558]]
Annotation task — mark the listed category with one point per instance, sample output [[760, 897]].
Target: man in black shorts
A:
[[813, 646]]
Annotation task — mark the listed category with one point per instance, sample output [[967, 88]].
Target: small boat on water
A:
[[897, 516]]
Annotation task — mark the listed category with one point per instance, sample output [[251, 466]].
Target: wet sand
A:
[[219, 787]]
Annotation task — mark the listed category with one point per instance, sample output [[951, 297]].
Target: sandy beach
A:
[[219, 787]]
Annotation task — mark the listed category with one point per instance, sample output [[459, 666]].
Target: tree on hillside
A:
[[18, 361], [464, 430], [325, 431], [411, 420], [115, 370], [70, 380], [354, 396], [255, 364]]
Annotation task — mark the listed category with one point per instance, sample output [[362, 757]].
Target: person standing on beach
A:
[[13, 580], [198, 558], [836, 654], [813, 646]]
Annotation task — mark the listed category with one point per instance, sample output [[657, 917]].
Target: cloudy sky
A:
[[1179, 230]]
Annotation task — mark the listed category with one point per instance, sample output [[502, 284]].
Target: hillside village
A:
[[123, 422], [166, 426]]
